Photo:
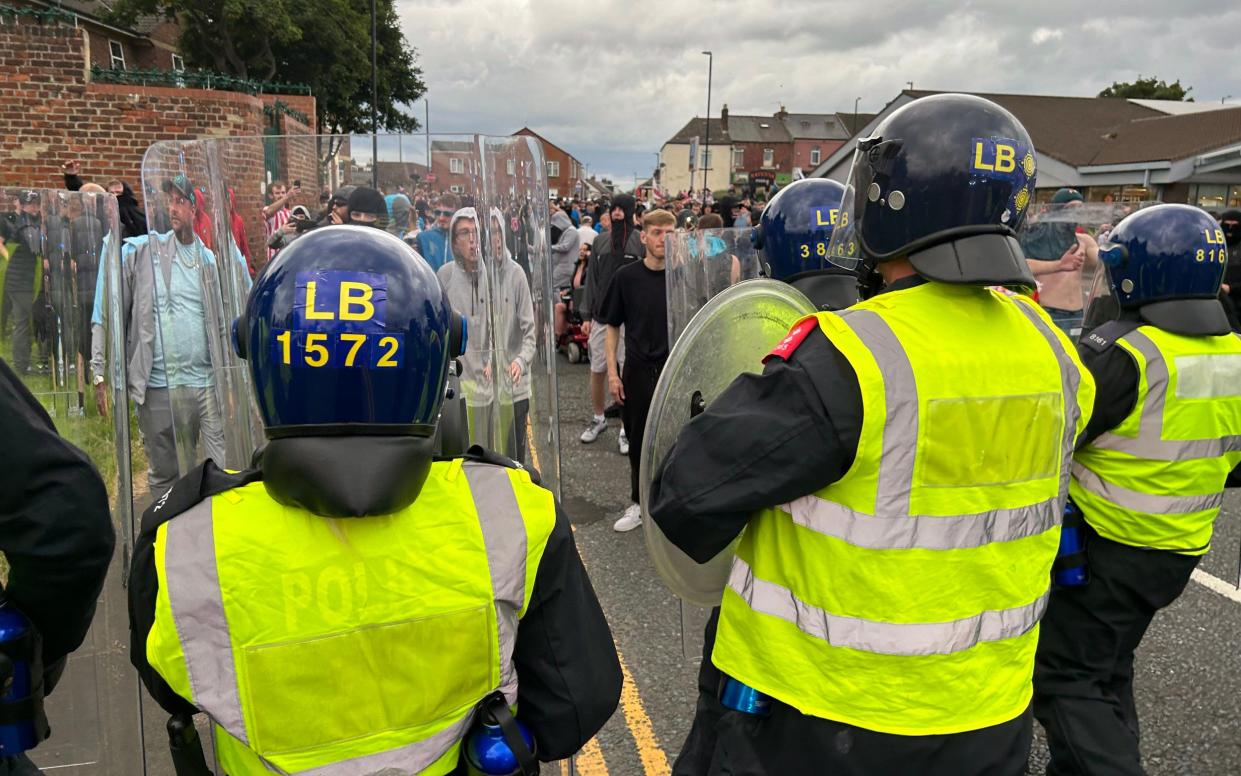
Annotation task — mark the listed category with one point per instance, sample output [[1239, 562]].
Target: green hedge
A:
[[196, 79]]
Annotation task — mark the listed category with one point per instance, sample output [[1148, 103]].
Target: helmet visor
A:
[[845, 248], [1101, 305]]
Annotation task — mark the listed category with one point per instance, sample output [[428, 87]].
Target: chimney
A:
[[723, 117], [782, 114]]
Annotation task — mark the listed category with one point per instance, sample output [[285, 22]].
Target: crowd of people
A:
[[896, 478]]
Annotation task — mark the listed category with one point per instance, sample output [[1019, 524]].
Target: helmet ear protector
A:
[[457, 336]]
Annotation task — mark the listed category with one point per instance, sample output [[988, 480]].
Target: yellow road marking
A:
[[534, 453], [654, 761], [589, 761]]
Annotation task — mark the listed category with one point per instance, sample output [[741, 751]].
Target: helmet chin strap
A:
[[869, 279]]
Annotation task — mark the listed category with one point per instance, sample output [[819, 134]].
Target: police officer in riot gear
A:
[[1148, 478], [347, 604], [794, 233], [900, 508], [57, 538]]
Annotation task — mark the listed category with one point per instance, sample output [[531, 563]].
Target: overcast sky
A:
[[612, 81]]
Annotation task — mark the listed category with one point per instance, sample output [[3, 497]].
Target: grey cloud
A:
[[624, 76]]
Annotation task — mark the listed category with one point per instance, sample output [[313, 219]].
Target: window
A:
[[553, 169], [456, 165], [706, 159], [457, 188], [178, 64], [118, 54], [814, 155], [553, 193], [769, 157], [738, 158], [1215, 195], [511, 165]]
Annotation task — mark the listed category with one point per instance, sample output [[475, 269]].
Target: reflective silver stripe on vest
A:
[[407, 760], [892, 526], [900, 432], [885, 638], [1070, 381], [922, 532], [197, 605], [504, 533], [1144, 502], [1149, 443]]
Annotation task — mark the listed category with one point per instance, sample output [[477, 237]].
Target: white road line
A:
[[1217, 585]]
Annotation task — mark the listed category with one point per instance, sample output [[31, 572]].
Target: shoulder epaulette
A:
[[202, 482], [480, 454], [1102, 337]]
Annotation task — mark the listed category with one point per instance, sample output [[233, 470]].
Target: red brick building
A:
[[52, 112], [150, 42], [564, 171]]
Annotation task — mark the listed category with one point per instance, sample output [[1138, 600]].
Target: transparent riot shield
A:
[[726, 338], [190, 282], [701, 264], [220, 212], [59, 268], [1061, 243]]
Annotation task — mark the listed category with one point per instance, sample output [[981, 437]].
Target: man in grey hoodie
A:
[[515, 334], [464, 278], [566, 245]]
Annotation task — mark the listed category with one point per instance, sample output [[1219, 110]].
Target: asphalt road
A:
[[1188, 668]]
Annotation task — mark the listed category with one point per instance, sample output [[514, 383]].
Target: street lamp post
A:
[[707, 153], [374, 96], [856, 100]]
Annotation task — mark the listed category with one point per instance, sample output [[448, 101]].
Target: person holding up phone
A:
[[276, 214]]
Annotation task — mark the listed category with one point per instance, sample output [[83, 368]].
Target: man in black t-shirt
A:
[[638, 300]]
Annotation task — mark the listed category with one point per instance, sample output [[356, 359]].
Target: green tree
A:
[[1149, 89], [323, 43]]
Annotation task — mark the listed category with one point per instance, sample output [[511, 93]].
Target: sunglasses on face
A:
[[441, 213]]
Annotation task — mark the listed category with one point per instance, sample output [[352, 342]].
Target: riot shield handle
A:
[[697, 405], [186, 747]]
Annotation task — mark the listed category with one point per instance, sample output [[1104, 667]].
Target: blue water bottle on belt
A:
[[499, 744], [22, 725], [1069, 569], [739, 696]]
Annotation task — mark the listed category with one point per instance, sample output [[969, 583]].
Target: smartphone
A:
[[297, 184]]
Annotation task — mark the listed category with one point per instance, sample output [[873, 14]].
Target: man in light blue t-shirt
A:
[[167, 292]]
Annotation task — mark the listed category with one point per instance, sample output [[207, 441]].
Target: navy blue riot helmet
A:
[[943, 181], [348, 332], [797, 225], [794, 235], [1167, 263]]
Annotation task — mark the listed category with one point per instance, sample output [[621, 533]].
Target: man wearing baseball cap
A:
[[168, 352]]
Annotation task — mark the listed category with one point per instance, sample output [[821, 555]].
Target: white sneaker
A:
[[597, 426], [623, 443], [630, 520]]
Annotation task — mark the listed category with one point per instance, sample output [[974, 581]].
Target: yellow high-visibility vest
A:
[[351, 645], [1157, 479], [905, 598]]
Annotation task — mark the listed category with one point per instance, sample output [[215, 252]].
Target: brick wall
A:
[[50, 113]]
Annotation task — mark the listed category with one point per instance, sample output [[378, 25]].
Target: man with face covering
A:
[[1230, 222], [617, 246], [464, 279]]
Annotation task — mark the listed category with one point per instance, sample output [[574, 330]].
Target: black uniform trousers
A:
[[723, 742], [638, 380], [1083, 675]]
